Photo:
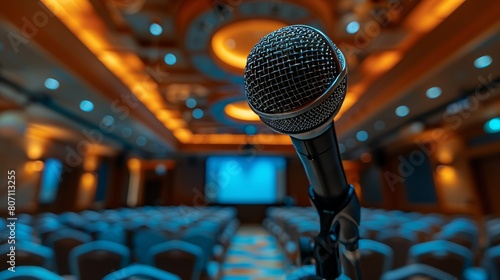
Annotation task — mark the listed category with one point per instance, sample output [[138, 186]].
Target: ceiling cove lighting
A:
[[51, 84], [492, 126], [155, 29], [232, 43], [402, 111], [86, 106], [433, 92], [352, 27], [170, 59], [241, 111], [483, 61]]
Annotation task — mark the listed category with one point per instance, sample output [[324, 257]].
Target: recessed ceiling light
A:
[[352, 27], [402, 111], [160, 169], [362, 135], [433, 92], [170, 59], [141, 141], [191, 102], [108, 120], [155, 29], [379, 125], [197, 113], [86, 106], [483, 61], [492, 126], [126, 132], [341, 148], [51, 84], [250, 130]]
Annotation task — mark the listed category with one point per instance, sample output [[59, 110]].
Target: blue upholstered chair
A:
[[444, 255], [62, 242], [94, 260], [143, 240], [491, 262], [140, 270], [179, 257], [417, 270], [376, 258]]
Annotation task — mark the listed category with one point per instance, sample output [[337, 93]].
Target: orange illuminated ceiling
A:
[[182, 59]]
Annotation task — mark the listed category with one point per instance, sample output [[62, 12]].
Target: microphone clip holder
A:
[[339, 221]]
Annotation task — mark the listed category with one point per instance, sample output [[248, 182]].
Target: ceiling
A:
[[165, 76]]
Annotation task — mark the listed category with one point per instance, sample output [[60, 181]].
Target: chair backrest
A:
[[491, 262], [27, 254], [203, 239], [493, 235], [29, 273], [62, 242], [140, 270], [400, 243], [114, 233], [443, 255], [376, 258], [94, 260], [179, 257], [143, 240], [417, 270]]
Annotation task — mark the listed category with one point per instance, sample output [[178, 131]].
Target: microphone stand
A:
[[339, 219]]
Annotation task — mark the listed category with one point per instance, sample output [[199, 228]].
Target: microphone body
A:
[[322, 163]]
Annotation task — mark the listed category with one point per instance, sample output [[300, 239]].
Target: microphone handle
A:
[[320, 157]]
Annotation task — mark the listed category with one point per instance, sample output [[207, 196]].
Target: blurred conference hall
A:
[[232, 140]]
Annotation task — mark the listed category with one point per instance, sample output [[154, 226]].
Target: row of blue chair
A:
[[66, 245], [395, 239]]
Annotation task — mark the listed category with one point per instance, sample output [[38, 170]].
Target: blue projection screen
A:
[[245, 180]]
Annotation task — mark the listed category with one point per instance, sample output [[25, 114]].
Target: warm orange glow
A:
[[366, 157], [241, 111], [233, 42], [428, 14], [381, 62], [86, 191], [34, 166], [445, 156], [81, 18], [134, 164], [90, 163], [35, 149], [174, 124], [447, 175], [88, 180], [183, 135]]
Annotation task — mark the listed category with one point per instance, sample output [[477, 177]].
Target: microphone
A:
[[295, 80]]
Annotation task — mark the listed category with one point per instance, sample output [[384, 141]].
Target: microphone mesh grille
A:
[[312, 118], [288, 69]]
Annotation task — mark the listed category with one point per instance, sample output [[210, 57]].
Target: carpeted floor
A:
[[254, 255]]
